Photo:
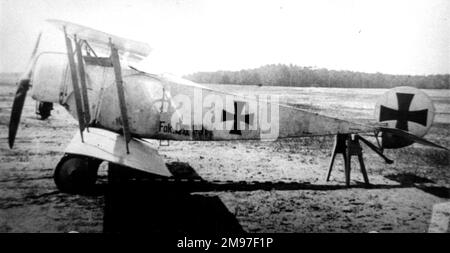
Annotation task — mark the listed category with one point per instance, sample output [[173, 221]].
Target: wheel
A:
[[76, 174], [44, 109]]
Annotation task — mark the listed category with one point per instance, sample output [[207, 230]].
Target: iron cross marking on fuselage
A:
[[403, 114], [237, 117]]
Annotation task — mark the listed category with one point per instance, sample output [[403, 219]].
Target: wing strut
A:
[[120, 92], [87, 116], [76, 88]]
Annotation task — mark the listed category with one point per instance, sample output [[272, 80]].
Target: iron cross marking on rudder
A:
[[403, 114], [237, 117]]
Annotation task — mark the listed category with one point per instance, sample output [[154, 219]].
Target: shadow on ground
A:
[[422, 183], [138, 203], [135, 206], [141, 208]]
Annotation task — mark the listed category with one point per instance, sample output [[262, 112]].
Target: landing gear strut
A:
[[76, 174], [44, 109]]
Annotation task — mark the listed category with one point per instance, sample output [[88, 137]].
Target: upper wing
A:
[[135, 49]]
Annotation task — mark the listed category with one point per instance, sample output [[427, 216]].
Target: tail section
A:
[[408, 138], [407, 109]]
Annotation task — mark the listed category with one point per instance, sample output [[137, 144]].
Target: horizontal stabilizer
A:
[[411, 137]]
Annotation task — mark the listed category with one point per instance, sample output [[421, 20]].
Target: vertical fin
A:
[[76, 89], [120, 92], [87, 116]]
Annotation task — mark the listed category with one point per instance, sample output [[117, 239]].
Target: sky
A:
[[394, 37]]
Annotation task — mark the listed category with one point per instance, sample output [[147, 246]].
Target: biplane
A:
[[119, 106]]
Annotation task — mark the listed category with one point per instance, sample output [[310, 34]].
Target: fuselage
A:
[[164, 107]]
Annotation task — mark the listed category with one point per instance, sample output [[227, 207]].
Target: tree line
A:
[[293, 75]]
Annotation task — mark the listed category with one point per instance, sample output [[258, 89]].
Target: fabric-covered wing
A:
[[134, 49]]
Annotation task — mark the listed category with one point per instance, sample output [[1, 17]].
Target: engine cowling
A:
[[49, 76], [405, 108]]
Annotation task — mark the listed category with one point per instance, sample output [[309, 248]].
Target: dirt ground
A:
[[400, 200]]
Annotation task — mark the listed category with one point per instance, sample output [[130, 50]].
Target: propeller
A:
[[21, 94]]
